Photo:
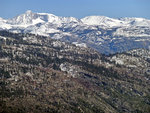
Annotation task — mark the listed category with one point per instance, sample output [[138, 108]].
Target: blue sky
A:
[[77, 8]]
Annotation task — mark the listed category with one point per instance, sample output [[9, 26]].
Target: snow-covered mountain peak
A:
[[93, 20], [30, 18], [102, 21], [23, 19]]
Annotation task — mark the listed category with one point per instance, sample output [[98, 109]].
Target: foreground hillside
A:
[[41, 75]]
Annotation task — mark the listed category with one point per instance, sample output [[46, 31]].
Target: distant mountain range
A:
[[107, 35]]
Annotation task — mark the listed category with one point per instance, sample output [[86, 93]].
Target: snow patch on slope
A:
[[79, 44], [70, 69]]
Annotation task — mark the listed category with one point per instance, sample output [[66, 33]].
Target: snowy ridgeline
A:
[[44, 23]]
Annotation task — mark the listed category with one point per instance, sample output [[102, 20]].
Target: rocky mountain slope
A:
[[40, 74], [106, 35]]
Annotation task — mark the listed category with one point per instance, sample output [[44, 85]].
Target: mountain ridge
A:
[[107, 35], [99, 19]]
